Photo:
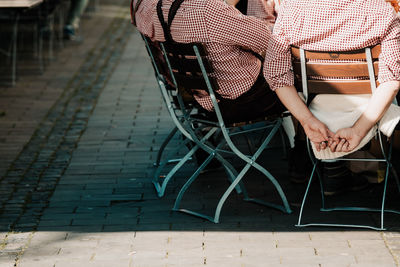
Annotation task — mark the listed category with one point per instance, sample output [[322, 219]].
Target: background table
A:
[[12, 9]]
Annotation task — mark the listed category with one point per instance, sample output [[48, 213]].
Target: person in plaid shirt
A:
[[234, 43], [265, 10], [395, 4], [335, 25]]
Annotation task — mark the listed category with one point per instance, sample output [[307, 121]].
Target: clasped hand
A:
[[344, 140]]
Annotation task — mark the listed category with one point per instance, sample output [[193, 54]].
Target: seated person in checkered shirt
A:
[[262, 9], [233, 42], [396, 5], [265, 10], [324, 25]]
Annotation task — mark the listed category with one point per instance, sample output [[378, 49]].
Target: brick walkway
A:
[[76, 151]]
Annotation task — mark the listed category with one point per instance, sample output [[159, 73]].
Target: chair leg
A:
[[299, 224], [228, 192], [382, 210], [232, 174], [163, 145], [321, 186], [286, 207], [250, 162], [231, 171], [250, 144], [186, 186], [396, 177], [315, 162], [160, 188], [14, 51], [384, 196], [281, 133]]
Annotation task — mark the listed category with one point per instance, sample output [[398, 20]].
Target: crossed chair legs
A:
[[185, 126], [382, 210], [160, 186], [234, 176]]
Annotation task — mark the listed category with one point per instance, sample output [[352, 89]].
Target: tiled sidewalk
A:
[[79, 193]]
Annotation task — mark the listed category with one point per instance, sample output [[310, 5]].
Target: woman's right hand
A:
[[346, 140]]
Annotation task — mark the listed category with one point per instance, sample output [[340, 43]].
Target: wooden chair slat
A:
[[351, 69], [189, 65], [185, 66], [191, 83], [339, 87], [343, 55], [184, 49], [159, 62]]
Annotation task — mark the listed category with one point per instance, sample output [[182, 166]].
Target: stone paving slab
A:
[[81, 192]]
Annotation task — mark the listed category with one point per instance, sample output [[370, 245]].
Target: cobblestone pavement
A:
[[76, 160]]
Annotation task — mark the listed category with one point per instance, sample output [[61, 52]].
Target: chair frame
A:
[[159, 181], [369, 69], [204, 82]]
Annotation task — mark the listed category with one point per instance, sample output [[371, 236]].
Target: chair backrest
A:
[[157, 59], [161, 70], [344, 72], [192, 71], [187, 72]]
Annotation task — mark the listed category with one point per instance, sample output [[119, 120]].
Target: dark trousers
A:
[[260, 101]]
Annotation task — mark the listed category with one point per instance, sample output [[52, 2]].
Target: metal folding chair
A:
[[189, 69], [168, 92], [313, 68]]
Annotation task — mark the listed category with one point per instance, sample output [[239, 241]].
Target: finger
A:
[[337, 139], [339, 147], [333, 146], [317, 146], [330, 134], [323, 145], [325, 133], [330, 141], [346, 146]]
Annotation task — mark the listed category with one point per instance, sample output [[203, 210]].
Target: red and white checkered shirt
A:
[[263, 9], [333, 25], [395, 4], [225, 32]]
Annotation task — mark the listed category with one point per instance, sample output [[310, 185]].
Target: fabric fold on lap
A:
[[341, 111]]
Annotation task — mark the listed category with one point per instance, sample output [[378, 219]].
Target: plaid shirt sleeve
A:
[[315, 25], [262, 9], [389, 61], [228, 26], [277, 65], [144, 16]]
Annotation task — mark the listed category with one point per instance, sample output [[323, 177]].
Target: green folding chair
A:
[[189, 68], [313, 69], [169, 93]]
